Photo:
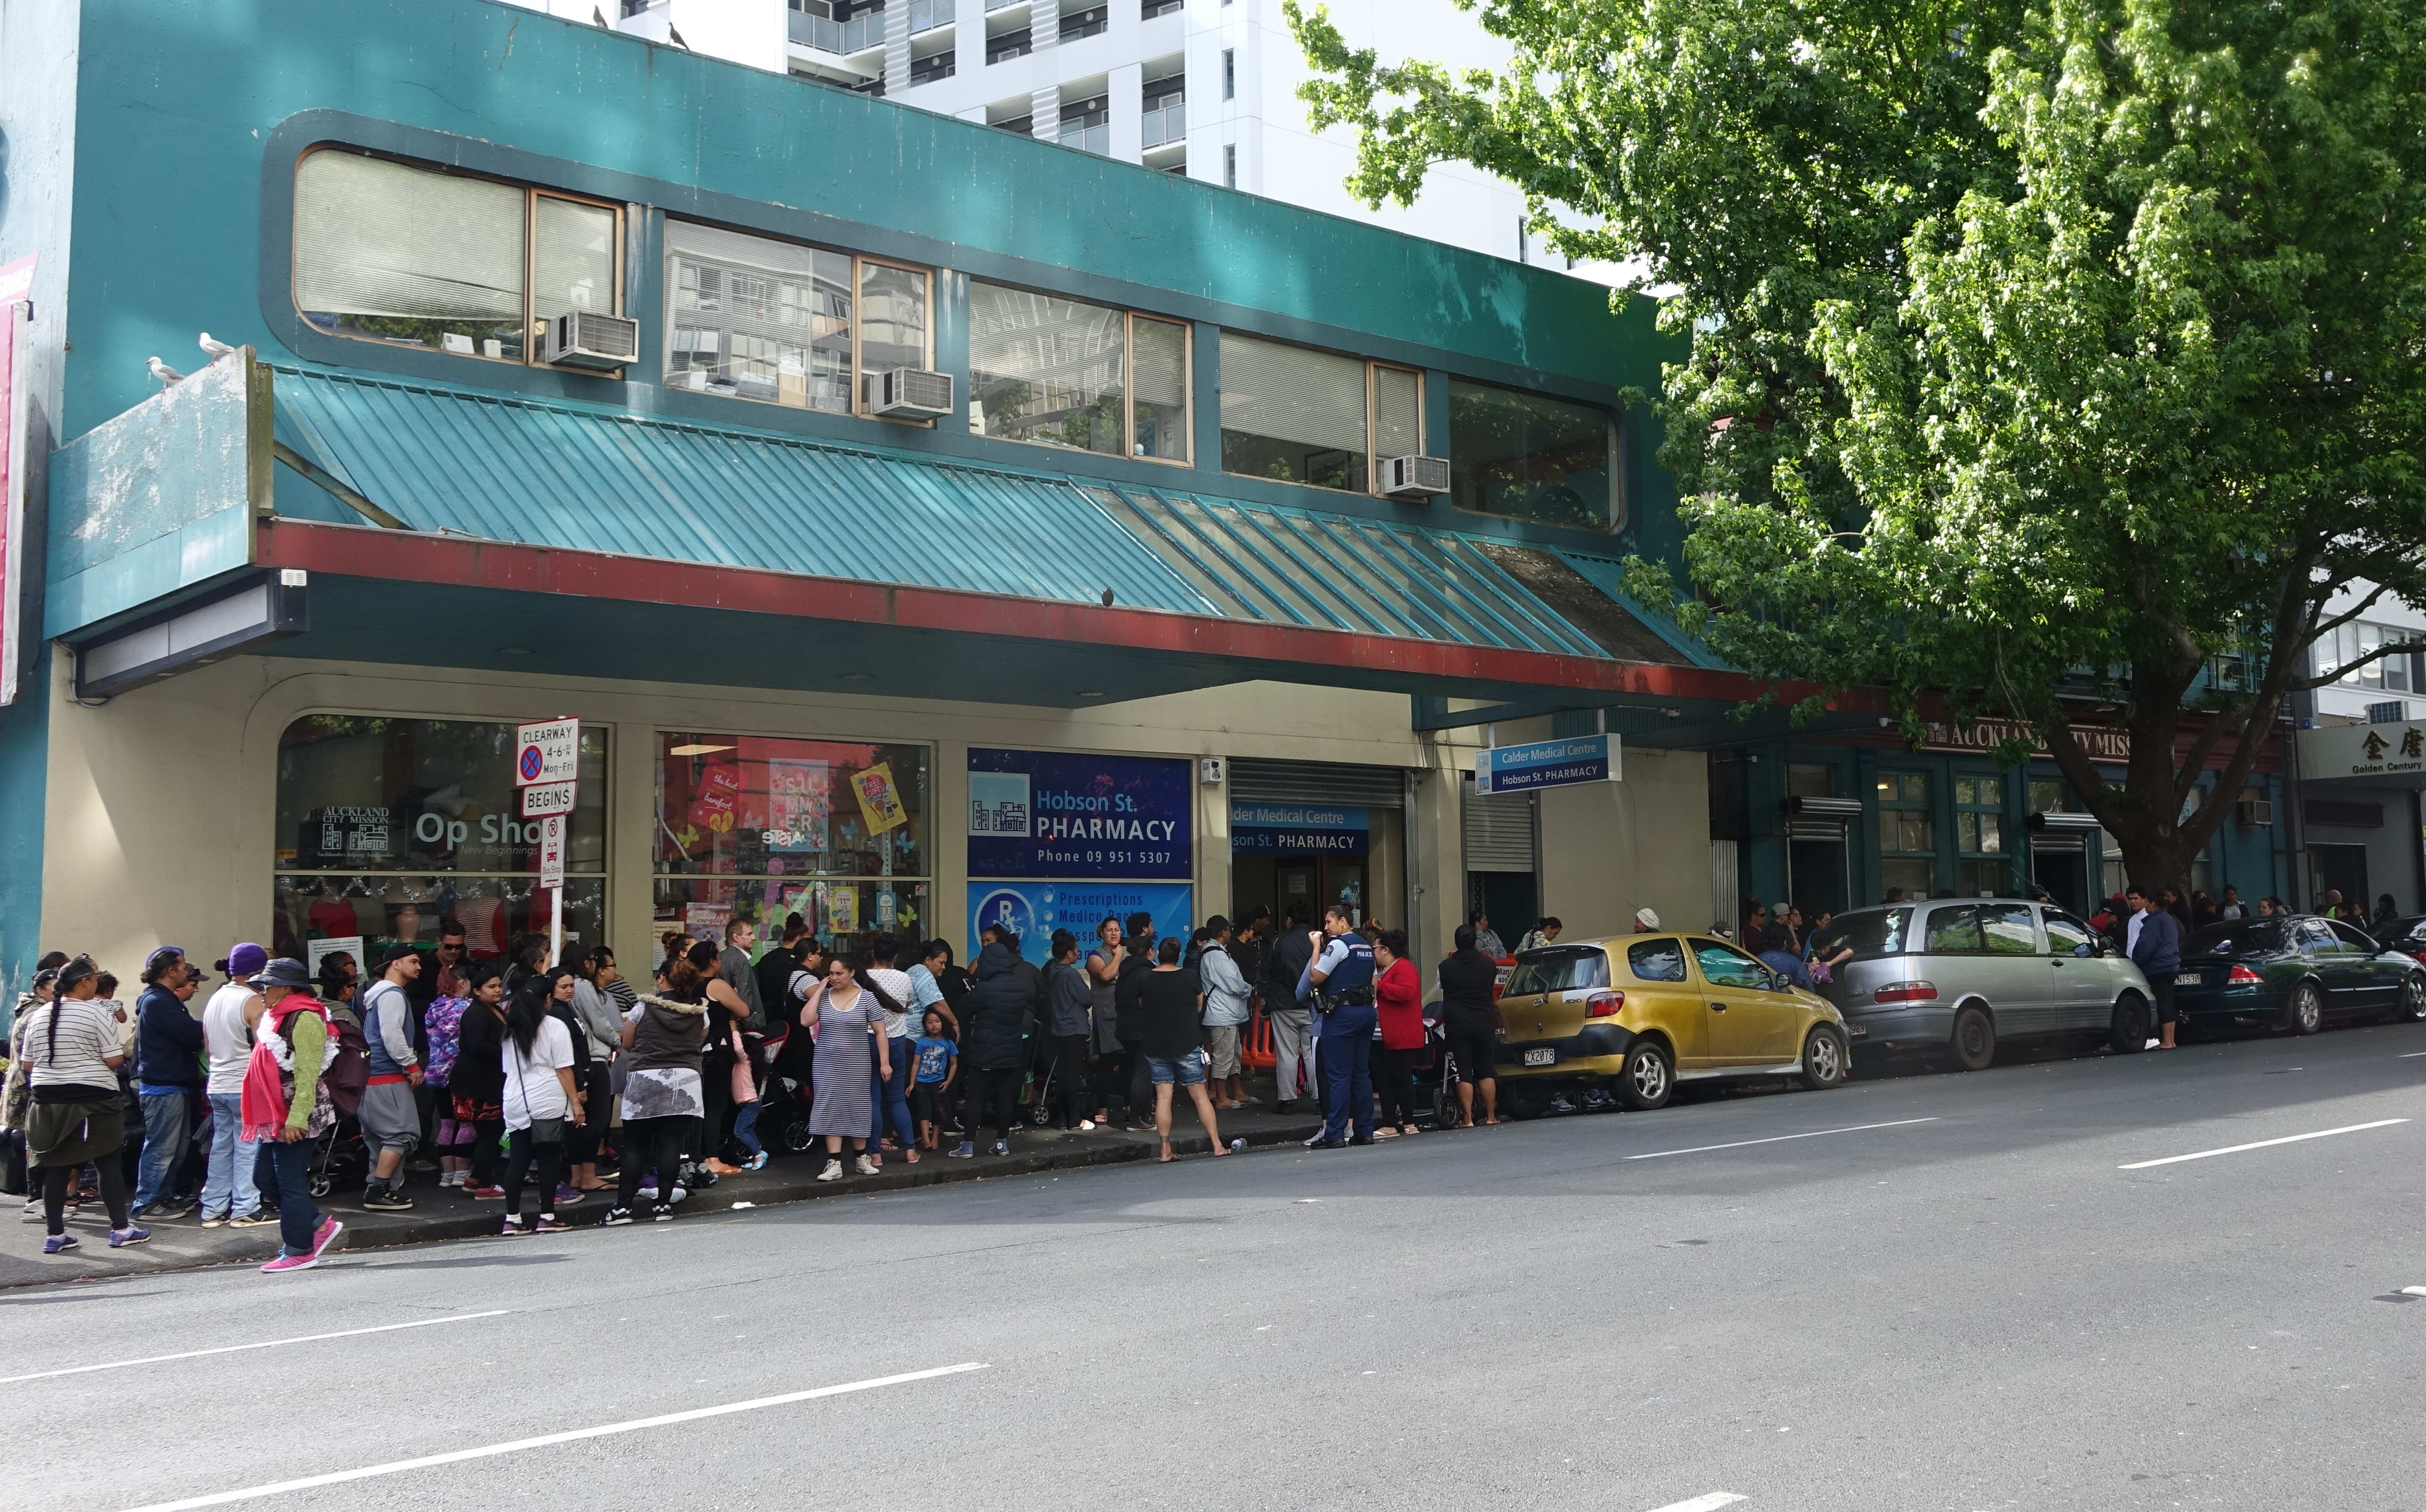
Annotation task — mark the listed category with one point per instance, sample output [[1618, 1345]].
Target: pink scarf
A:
[[265, 1084]]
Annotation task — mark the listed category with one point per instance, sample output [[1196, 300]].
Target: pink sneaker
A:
[[290, 1263], [325, 1238]]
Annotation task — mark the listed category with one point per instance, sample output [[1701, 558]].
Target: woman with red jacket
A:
[[1398, 1001]]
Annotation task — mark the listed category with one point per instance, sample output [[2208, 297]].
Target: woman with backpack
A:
[[76, 1113], [662, 1102]]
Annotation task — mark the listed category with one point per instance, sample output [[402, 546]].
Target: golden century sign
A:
[[2363, 750], [2102, 744]]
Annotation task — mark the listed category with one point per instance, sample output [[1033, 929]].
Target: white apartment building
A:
[[2362, 763], [1204, 87]]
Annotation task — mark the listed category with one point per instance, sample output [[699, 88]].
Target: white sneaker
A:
[[867, 1166], [832, 1171], [676, 1195]]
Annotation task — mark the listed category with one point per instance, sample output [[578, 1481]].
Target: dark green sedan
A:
[[2294, 972]]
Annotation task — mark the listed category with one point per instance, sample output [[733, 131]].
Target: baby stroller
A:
[[782, 1060], [339, 1158], [1436, 1072]]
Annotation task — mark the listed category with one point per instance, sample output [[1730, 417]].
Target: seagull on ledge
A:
[[162, 371], [215, 347]]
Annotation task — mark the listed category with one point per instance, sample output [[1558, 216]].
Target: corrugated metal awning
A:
[[503, 468]]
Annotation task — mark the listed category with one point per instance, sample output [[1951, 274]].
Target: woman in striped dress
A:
[[844, 1017]]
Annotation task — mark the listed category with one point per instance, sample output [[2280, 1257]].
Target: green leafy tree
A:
[[2041, 355]]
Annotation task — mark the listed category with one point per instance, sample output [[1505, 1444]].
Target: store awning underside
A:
[[495, 468]]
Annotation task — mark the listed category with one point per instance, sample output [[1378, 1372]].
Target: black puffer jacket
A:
[[993, 1013]]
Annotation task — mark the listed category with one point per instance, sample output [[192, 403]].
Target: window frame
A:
[[1373, 370], [531, 193], [1612, 420], [1373, 460], [860, 263], [1128, 376]]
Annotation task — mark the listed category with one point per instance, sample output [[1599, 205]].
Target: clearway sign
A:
[[1546, 763], [548, 752]]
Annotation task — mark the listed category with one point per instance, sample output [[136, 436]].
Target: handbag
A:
[[543, 1131], [745, 1086]]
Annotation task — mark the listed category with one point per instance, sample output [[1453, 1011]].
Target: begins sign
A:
[[1053, 814]]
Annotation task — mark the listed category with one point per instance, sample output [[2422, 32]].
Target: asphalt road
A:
[[1949, 1296]]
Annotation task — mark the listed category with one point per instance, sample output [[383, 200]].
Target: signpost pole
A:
[[556, 927]]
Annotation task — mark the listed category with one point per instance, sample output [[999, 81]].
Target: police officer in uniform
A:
[[1339, 989]]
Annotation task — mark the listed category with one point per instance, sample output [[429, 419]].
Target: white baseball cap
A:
[[1645, 919]]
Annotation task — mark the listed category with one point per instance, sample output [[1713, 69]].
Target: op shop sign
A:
[[1053, 814]]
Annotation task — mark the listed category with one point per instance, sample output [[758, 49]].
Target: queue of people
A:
[[540, 1084]]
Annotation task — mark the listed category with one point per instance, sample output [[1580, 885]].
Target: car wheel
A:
[[1826, 1061], [2413, 999], [1646, 1079], [2130, 1035], [1974, 1040], [2306, 1014]]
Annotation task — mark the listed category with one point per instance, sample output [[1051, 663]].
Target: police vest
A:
[[1351, 980]]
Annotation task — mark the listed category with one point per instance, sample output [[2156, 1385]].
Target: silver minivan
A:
[[1966, 972]]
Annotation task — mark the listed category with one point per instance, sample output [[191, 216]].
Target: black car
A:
[[2294, 971]]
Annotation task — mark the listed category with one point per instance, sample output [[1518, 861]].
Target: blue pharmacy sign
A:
[[1055, 814], [1299, 829], [1541, 764], [1033, 911]]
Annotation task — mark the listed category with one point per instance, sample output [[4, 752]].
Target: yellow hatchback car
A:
[[1637, 1014]]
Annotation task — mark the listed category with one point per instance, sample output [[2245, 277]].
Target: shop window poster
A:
[[716, 797], [880, 800], [1057, 814], [799, 806]]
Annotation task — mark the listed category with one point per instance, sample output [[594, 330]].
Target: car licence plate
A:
[[2187, 979], [1540, 1057]]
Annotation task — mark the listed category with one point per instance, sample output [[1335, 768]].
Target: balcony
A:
[[1164, 127], [822, 34], [926, 15], [1007, 45], [927, 70], [1096, 139], [1089, 22]]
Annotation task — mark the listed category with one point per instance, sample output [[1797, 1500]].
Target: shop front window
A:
[[754, 827], [1980, 836], [388, 828], [1907, 836]]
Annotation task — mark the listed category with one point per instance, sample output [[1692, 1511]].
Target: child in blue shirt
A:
[[938, 1063]]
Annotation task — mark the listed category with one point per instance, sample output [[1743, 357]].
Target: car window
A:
[[2316, 939], [1955, 932], [1657, 960], [2237, 936], [2068, 936], [1724, 966], [2008, 929], [1561, 969], [1870, 935], [2351, 938]]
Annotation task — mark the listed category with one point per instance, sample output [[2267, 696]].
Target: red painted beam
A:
[[346, 551]]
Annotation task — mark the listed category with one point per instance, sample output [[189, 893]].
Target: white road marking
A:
[[2413, 1291], [266, 1343], [1703, 1504], [2262, 1144], [543, 1441], [2412, 1055], [1698, 1149]]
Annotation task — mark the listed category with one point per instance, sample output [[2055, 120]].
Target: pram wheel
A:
[[797, 1137], [318, 1186]]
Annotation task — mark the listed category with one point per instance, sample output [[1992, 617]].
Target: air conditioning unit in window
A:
[[1415, 477], [910, 394], [2255, 813], [587, 340]]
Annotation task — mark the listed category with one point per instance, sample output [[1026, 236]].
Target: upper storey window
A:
[[410, 257], [750, 317]]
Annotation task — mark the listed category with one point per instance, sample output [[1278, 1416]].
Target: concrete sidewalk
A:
[[449, 1215]]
